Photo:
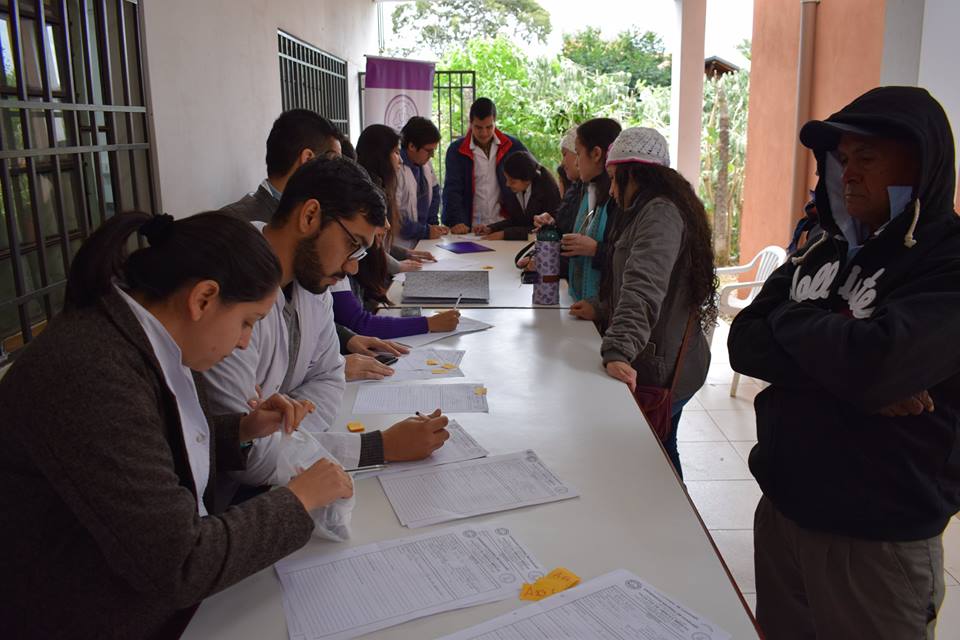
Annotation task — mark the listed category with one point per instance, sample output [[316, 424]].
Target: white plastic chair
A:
[[729, 304]]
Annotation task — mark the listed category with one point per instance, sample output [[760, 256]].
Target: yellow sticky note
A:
[[564, 576], [355, 427], [560, 579], [480, 391], [449, 365], [438, 371], [433, 363]]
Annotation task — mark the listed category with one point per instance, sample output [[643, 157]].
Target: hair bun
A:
[[157, 229]]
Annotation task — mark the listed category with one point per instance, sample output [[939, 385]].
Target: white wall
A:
[[214, 82]]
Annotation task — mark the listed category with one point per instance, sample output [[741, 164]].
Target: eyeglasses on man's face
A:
[[360, 247]]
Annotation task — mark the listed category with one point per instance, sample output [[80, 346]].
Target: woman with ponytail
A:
[[533, 191], [587, 246], [106, 456]]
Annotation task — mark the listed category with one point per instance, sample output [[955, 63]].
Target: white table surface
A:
[[506, 292], [546, 392]]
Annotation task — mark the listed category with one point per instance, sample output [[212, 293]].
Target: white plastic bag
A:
[[297, 452]]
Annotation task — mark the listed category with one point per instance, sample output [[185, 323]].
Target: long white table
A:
[[506, 291], [546, 392]]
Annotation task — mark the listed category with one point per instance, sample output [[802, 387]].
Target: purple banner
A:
[[393, 73]]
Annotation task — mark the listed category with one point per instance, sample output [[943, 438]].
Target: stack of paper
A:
[[616, 606], [466, 325], [459, 447], [422, 497], [346, 594], [430, 286], [425, 398]]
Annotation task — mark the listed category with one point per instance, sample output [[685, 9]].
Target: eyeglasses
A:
[[361, 249]]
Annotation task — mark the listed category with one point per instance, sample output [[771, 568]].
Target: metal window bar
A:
[[73, 144], [313, 79], [453, 93]]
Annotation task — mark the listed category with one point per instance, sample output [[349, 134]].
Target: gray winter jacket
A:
[[647, 310]]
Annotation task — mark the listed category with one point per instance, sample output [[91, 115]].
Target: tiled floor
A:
[[715, 437]]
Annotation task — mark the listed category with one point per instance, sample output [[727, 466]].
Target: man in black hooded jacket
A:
[[858, 452]]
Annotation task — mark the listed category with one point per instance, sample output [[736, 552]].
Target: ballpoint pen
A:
[[372, 467]]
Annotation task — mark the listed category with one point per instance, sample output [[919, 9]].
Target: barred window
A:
[[314, 79], [74, 146]]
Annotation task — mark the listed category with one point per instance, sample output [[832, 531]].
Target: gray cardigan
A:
[[647, 312], [258, 206], [99, 531]]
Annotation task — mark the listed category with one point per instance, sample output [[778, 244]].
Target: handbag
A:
[[656, 403]]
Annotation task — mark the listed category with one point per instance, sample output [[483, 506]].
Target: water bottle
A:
[[547, 290]]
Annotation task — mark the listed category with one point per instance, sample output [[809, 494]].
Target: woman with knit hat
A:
[[657, 295]]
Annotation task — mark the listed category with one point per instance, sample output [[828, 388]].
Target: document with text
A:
[[346, 594], [616, 606], [422, 497], [425, 363], [425, 398], [459, 447], [466, 325]]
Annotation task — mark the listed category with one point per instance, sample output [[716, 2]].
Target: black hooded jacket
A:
[[842, 334]]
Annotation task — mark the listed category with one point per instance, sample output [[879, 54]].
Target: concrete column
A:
[[902, 38], [686, 104]]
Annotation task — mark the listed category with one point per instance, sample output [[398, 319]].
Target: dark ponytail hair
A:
[[599, 132], [207, 246], [656, 181]]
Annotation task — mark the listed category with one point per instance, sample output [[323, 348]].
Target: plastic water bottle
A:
[[547, 290]]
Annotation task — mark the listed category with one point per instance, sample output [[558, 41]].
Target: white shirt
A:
[[486, 189], [193, 423], [407, 199], [524, 196], [317, 375]]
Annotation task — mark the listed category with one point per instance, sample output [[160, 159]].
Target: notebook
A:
[[441, 286], [463, 247]]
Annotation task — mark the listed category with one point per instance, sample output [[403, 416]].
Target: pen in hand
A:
[[457, 304]]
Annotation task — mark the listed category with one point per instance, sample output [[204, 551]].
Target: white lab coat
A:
[[317, 376]]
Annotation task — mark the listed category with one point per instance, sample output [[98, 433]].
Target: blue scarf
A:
[[583, 279]]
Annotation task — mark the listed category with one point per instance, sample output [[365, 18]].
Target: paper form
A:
[[414, 366], [343, 595], [428, 496], [459, 446], [425, 398], [616, 606], [466, 325]]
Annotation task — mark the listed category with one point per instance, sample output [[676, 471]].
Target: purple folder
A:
[[463, 247]]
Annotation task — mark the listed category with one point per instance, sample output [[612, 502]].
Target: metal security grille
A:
[[313, 79], [453, 93], [74, 146]]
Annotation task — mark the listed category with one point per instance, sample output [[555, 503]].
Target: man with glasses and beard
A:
[[326, 220]]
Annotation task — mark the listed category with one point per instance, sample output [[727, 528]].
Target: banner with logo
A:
[[395, 90]]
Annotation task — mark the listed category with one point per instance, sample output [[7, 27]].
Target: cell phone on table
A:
[[386, 358], [411, 312]]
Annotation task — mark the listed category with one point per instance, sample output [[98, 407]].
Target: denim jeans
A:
[[670, 444]]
